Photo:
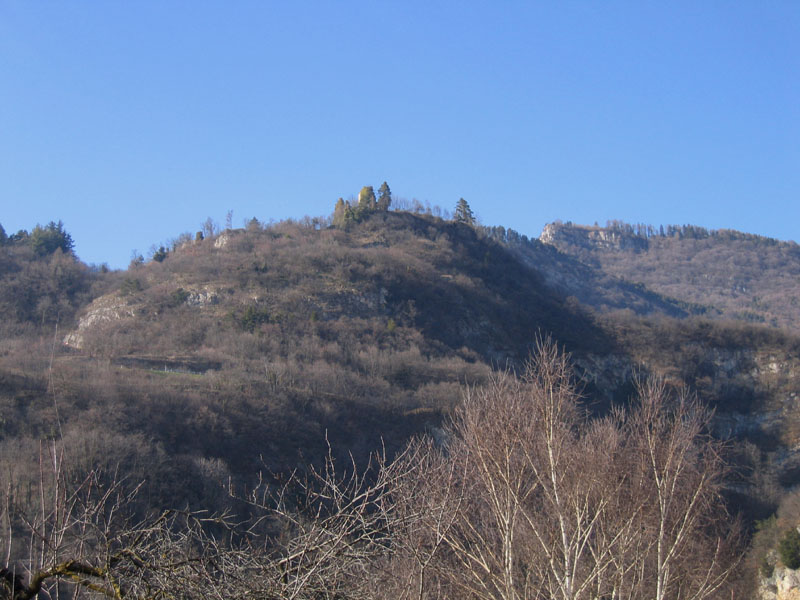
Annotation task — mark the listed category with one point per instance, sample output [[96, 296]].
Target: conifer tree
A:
[[464, 213], [366, 199], [51, 237], [384, 197], [339, 213]]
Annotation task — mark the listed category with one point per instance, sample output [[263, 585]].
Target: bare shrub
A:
[[551, 503], [523, 496]]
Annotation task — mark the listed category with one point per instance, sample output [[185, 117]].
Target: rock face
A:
[[225, 237], [753, 393], [113, 307], [202, 297], [105, 309], [784, 584], [557, 234]]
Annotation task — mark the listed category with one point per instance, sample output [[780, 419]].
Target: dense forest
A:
[[393, 402]]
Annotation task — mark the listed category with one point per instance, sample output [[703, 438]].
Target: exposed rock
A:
[[784, 584], [226, 236], [103, 310], [557, 234], [769, 414], [202, 297]]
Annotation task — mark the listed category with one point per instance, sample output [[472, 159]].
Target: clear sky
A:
[[135, 121]]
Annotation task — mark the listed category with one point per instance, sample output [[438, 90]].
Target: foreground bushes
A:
[[524, 496]]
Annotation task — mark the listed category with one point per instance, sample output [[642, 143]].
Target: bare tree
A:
[[541, 482], [546, 501], [422, 508], [209, 228], [526, 496], [680, 473]]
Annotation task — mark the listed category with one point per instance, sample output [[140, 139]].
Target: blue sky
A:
[[135, 121]]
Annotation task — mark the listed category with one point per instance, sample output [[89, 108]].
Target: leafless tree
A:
[[680, 473], [526, 496], [422, 508], [541, 480], [548, 502]]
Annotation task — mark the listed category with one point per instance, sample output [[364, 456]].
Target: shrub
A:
[[130, 286], [160, 254], [789, 548], [253, 317], [178, 297]]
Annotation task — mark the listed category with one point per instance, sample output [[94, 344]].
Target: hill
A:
[[731, 275], [254, 348], [264, 349]]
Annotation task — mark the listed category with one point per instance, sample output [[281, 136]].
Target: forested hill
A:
[[249, 349], [731, 275], [365, 329], [239, 351]]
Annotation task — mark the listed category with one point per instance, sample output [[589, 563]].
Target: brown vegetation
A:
[[736, 276], [528, 497], [245, 350]]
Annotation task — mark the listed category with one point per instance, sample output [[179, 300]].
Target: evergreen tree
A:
[[3, 236], [384, 197], [160, 254], [21, 237], [350, 213], [366, 200], [340, 213], [464, 213], [46, 240], [789, 548]]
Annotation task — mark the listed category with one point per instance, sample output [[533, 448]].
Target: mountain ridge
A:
[[733, 275]]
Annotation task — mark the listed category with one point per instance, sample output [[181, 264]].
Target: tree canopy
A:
[[384, 197], [344, 213], [46, 240], [464, 213], [366, 199]]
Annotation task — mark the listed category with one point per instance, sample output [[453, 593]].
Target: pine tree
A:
[[51, 237], [161, 254], [464, 213], [366, 199], [384, 197], [339, 213]]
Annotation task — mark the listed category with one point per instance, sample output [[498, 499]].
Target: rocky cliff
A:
[[590, 238]]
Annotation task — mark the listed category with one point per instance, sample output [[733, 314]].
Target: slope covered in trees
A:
[[734, 275], [528, 497], [250, 350]]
